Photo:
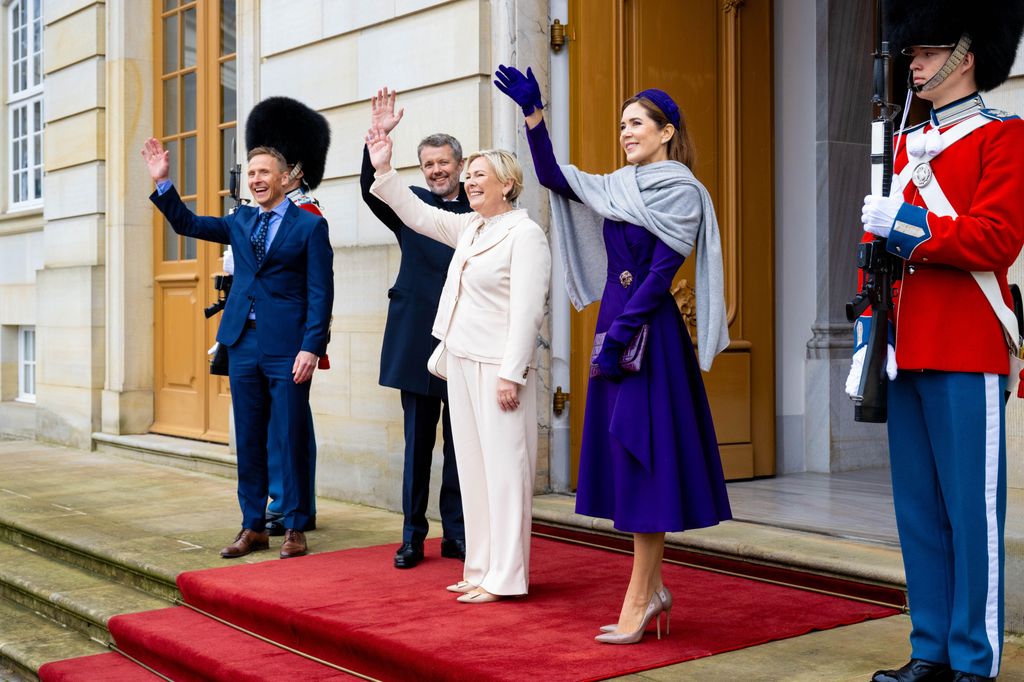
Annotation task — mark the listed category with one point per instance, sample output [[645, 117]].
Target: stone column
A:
[[519, 37], [833, 441], [127, 404], [70, 296]]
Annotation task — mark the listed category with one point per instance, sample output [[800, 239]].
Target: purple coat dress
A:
[[649, 459]]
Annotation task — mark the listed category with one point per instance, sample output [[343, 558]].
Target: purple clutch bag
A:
[[631, 357]]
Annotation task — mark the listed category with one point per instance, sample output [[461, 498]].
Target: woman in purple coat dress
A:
[[649, 459]]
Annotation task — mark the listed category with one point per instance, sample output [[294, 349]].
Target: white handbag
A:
[[437, 363]]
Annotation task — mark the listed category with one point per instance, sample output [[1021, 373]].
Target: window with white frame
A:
[[25, 103], [27, 364]]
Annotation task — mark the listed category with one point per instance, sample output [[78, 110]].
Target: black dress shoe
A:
[[453, 549], [917, 670], [970, 677], [408, 555], [275, 527]]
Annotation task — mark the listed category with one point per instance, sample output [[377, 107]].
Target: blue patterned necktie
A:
[[259, 237]]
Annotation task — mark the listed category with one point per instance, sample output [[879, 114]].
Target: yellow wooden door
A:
[[715, 58], [195, 119]]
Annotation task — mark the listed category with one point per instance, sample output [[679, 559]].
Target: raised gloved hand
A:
[[608, 359], [524, 90], [229, 261], [863, 328], [879, 213]]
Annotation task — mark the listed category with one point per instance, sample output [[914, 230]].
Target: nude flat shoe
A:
[[479, 598], [462, 587]]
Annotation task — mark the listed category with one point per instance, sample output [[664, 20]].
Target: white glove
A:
[[879, 213], [857, 368], [229, 262]]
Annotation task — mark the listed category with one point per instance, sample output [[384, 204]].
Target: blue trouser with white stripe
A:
[[948, 455]]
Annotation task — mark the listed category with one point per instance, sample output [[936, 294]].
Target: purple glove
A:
[[608, 360], [524, 90]]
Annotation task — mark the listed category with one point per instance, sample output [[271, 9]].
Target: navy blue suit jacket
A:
[[413, 299], [292, 290]]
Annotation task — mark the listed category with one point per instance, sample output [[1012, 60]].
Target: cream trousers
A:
[[497, 456]]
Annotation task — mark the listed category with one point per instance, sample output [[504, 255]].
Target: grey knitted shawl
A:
[[666, 199]]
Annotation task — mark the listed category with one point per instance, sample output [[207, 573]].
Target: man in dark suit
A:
[[408, 343], [275, 327]]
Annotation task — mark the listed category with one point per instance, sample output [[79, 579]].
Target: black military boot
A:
[[916, 670], [970, 677]]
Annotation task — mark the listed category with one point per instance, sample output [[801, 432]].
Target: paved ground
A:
[[163, 520]]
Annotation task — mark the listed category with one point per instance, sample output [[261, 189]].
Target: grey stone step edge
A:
[[120, 568], [21, 657], [180, 453], [53, 596], [862, 562]]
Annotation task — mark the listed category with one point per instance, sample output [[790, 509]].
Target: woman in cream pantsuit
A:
[[488, 317]]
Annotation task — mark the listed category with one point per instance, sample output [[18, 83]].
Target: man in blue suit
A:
[[275, 328], [408, 343]]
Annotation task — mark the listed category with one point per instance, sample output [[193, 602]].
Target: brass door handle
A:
[[559, 399]]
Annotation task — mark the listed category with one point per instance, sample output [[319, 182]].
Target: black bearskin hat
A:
[[293, 129], [994, 27]]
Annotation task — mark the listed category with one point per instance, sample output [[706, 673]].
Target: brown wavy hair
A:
[[680, 146]]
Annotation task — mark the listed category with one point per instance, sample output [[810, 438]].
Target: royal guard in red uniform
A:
[[302, 135], [955, 217]]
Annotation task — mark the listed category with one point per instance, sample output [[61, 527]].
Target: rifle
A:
[[880, 268], [222, 284]]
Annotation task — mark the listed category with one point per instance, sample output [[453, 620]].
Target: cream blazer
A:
[[492, 304]]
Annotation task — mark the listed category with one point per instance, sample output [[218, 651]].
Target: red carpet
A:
[[353, 609]]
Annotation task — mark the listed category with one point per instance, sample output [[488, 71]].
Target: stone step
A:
[[28, 640], [181, 453], [72, 597]]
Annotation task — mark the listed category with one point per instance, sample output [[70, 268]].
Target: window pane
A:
[[16, 191], [189, 30], [28, 380], [30, 345], [171, 106], [171, 44], [16, 116], [38, 178], [189, 102], [170, 4], [227, 27], [228, 92], [227, 156], [189, 165], [170, 243]]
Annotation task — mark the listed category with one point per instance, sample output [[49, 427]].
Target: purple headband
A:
[[663, 102]]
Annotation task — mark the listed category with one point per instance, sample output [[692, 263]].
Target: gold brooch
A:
[[625, 279]]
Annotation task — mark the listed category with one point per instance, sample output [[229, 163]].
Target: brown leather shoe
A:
[[294, 544], [245, 542]]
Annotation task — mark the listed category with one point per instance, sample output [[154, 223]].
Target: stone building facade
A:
[[80, 269]]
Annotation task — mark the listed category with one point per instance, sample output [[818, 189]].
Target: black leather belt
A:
[[250, 324]]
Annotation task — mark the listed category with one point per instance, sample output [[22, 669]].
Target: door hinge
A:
[[559, 33], [558, 400]]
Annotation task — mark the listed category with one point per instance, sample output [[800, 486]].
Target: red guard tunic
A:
[[941, 317]]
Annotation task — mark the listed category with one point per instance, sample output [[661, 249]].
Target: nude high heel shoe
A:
[[666, 602], [654, 609]]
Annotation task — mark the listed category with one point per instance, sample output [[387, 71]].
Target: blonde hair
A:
[[505, 166]]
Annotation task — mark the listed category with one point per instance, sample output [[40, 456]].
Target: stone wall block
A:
[[344, 17], [75, 89], [74, 191], [322, 76], [72, 38], [75, 140], [75, 241], [20, 256], [408, 65]]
